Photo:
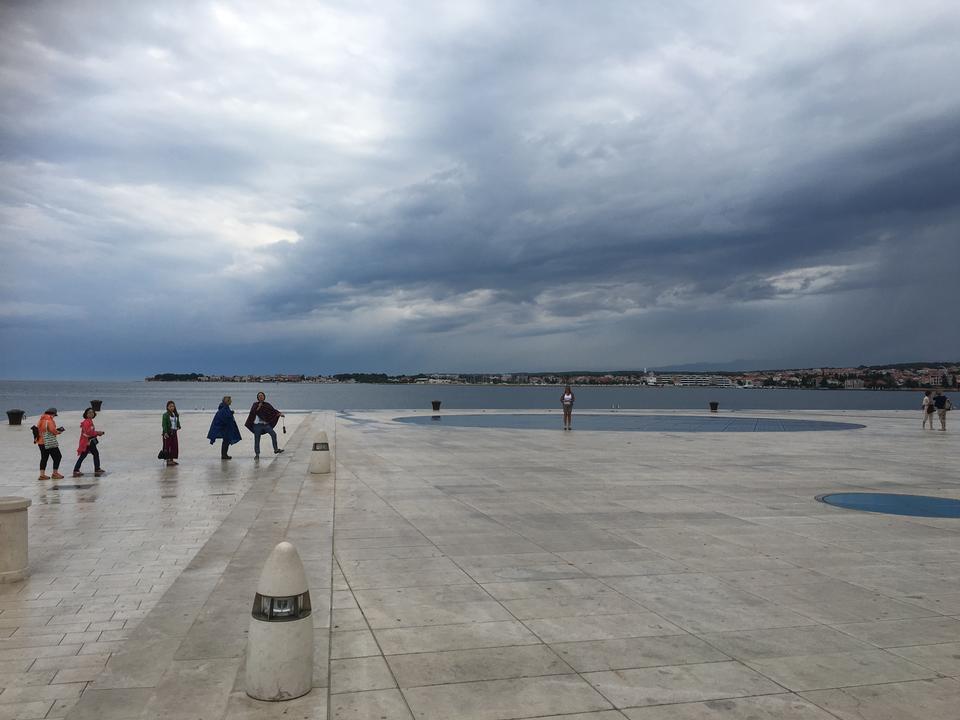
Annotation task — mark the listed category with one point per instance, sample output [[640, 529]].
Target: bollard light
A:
[[280, 641], [320, 455]]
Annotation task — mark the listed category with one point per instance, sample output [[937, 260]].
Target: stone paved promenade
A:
[[493, 574]]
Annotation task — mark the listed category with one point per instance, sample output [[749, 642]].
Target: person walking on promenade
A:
[[47, 432], [224, 427], [171, 424], [89, 440], [566, 401], [928, 409], [942, 403], [263, 418]]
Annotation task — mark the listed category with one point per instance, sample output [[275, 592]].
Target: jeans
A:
[[91, 450], [258, 430]]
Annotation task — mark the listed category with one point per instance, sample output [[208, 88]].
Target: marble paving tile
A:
[[567, 606], [393, 615], [943, 658], [435, 638], [25, 711], [601, 627], [503, 699], [544, 588], [470, 592], [919, 700], [833, 670], [894, 633], [359, 674], [456, 666], [312, 706], [784, 642], [119, 704], [369, 705], [765, 707], [680, 683], [624, 653]]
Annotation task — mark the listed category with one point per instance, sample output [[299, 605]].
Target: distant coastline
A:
[[901, 376]]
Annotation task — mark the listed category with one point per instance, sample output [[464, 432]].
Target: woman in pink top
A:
[[89, 439]]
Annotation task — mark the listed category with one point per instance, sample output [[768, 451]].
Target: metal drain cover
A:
[[895, 504], [71, 487]]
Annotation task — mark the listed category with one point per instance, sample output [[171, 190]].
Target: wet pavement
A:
[[495, 573]]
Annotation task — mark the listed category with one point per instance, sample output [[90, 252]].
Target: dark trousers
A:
[[51, 453], [224, 447], [91, 450], [171, 446]]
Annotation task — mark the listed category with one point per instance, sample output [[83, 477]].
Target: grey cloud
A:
[[503, 177]]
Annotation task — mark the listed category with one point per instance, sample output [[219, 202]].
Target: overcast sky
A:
[[467, 186]]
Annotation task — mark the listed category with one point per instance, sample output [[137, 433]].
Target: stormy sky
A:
[[476, 186]]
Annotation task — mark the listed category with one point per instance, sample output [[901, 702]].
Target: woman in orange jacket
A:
[[47, 432]]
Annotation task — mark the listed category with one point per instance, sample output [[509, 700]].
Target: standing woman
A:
[[928, 409], [263, 418], [89, 439], [171, 424], [224, 427], [47, 432], [566, 400]]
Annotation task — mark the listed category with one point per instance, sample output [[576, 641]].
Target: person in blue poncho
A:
[[224, 427]]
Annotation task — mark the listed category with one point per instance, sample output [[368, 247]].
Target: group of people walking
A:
[[46, 436], [262, 419], [935, 404]]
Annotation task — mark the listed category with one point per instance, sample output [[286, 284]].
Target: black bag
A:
[[36, 433], [162, 455], [93, 442]]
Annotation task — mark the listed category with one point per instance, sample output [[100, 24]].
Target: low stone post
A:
[[13, 539], [320, 455]]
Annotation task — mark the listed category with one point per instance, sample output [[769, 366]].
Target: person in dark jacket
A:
[[263, 418], [224, 427]]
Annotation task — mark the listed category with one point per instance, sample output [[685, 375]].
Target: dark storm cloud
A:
[[480, 185]]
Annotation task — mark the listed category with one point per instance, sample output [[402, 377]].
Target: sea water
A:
[[34, 396]]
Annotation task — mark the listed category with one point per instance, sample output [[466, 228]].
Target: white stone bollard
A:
[[13, 539], [320, 455], [280, 642]]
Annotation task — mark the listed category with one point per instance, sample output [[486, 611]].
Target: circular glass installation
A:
[[629, 423], [894, 504]]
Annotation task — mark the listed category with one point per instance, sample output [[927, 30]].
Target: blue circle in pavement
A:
[[894, 504], [629, 423]]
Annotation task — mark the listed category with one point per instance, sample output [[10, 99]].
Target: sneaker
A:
[[277, 452], [99, 471], [43, 476], [226, 457], [77, 473], [56, 475]]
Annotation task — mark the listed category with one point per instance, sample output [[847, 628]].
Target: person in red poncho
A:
[[263, 418], [89, 439]]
